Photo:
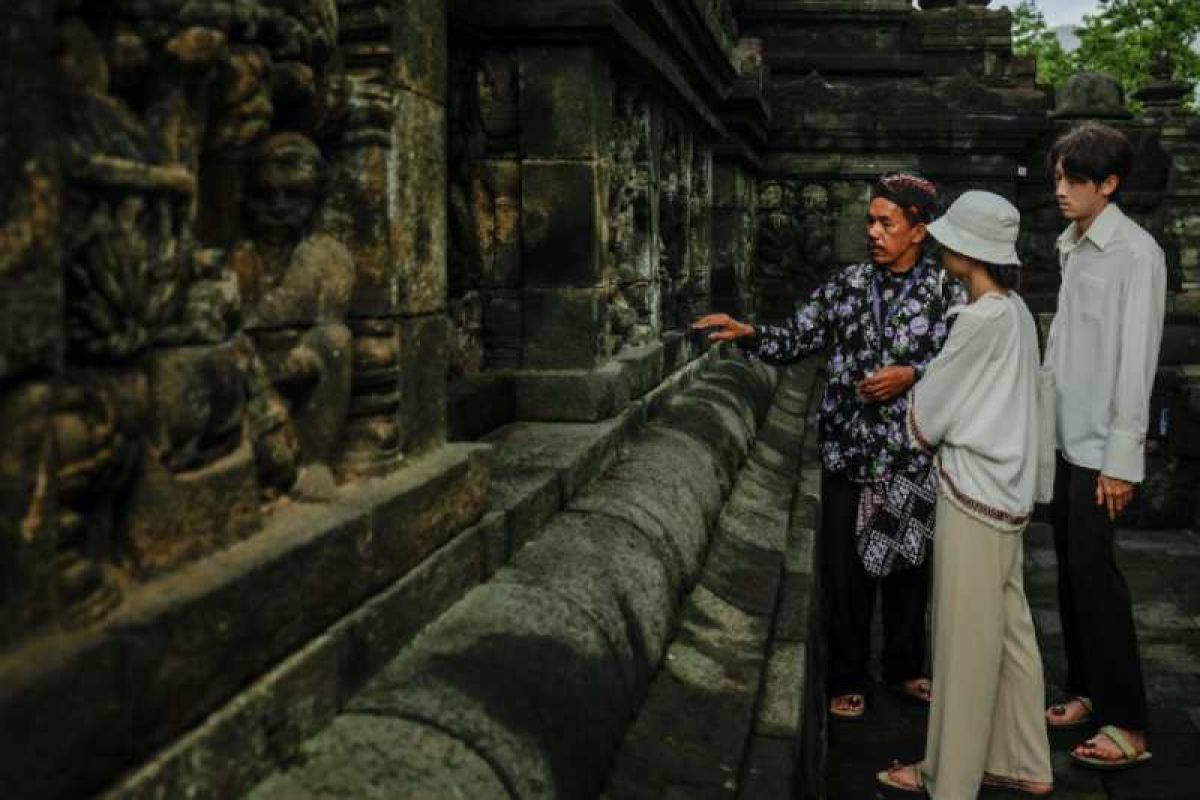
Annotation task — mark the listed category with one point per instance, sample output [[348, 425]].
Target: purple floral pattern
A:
[[866, 441]]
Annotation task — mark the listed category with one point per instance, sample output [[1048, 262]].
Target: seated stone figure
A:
[[296, 286]]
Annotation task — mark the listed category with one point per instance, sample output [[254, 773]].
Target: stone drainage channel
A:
[[654, 638]]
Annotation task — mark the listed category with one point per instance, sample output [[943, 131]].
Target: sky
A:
[[1058, 12]]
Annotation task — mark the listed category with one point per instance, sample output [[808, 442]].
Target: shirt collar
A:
[[1099, 233]]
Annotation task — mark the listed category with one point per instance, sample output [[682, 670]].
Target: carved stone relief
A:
[[674, 208], [216, 349], [633, 307]]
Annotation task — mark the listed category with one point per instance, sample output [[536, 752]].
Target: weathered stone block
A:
[[418, 204], [566, 104], [528, 498], [63, 705], [571, 395], [355, 757], [503, 324], [613, 572], [564, 328], [643, 367], [478, 404], [577, 452], [540, 724], [560, 225], [422, 412], [243, 741], [263, 726], [419, 36]]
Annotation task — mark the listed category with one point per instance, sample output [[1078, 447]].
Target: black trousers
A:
[[849, 600], [1094, 604]]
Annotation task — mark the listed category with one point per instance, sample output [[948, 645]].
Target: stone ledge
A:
[[182, 645], [246, 739], [588, 395], [539, 670], [724, 716], [541, 467]]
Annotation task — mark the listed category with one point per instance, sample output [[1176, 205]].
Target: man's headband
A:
[[911, 192]]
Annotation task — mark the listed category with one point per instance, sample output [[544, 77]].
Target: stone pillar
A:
[[566, 106], [391, 212], [734, 221], [418, 219]]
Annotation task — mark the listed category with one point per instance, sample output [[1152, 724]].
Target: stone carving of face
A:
[[285, 185], [814, 198]]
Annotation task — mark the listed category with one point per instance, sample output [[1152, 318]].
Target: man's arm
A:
[[1141, 322], [802, 333]]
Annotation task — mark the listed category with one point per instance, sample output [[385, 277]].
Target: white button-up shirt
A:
[[1103, 343]]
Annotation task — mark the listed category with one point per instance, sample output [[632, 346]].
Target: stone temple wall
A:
[[222, 354], [600, 182], [313, 313]]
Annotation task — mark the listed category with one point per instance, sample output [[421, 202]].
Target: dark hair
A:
[[916, 196], [1091, 152], [1006, 276]]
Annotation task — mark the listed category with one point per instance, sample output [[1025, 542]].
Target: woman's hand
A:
[[730, 328], [886, 384]]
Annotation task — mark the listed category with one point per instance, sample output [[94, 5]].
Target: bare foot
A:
[[903, 777], [920, 689], [1102, 747], [1070, 714], [848, 706]]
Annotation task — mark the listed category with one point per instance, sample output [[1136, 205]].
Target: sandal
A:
[[991, 781], [1060, 710], [919, 690], [887, 778], [855, 706], [1130, 756]]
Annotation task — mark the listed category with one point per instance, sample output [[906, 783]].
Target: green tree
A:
[[1123, 39], [1126, 37], [1032, 37]]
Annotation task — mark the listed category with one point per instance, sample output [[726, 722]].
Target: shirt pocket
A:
[[1090, 291]]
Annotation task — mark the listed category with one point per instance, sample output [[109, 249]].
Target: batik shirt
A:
[[866, 441]]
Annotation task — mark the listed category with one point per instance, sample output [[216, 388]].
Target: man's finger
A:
[[1111, 502], [710, 320], [1099, 493]]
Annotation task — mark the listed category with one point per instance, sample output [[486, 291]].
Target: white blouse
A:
[[977, 405]]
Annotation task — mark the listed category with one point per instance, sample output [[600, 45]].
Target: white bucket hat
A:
[[981, 225]]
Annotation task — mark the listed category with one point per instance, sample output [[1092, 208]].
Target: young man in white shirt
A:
[[1103, 350]]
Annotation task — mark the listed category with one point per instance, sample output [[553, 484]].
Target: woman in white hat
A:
[[977, 404]]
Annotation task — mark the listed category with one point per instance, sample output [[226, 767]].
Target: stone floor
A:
[[1163, 571]]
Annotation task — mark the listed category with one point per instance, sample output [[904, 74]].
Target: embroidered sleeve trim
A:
[[914, 430], [978, 507]]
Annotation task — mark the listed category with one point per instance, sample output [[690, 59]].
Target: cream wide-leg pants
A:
[[987, 712]]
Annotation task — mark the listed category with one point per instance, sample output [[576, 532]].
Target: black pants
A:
[[1094, 604], [849, 600]]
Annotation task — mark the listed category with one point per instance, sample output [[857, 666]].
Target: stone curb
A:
[[538, 671]]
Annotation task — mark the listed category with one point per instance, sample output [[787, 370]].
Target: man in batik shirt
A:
[[882, 321]]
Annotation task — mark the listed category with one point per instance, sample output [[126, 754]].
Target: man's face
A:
[[1081, 200], [890, 236]]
